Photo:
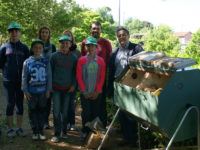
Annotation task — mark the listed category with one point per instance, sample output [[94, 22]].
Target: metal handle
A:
[[180, 124]]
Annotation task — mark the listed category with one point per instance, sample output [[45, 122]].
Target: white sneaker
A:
[[35, 136], [72, 127], [55, 139], [42, 137]]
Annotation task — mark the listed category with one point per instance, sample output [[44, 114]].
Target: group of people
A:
[[43, 73]]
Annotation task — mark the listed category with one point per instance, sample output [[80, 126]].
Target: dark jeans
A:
[[60, 111], [36, 111], [90, 110], [14, 96], [71, 111], [103, 114], [128, 126], [47, 110]]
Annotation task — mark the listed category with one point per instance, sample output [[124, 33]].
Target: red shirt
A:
[[103, 50]]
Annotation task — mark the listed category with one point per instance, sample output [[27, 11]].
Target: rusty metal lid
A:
[[159, 61]]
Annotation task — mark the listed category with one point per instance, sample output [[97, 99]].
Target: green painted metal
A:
[[165, 111], [182, 90]]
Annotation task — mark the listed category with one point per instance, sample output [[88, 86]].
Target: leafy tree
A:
[[31, 15], [136, 25], [83, 31], [192, 50], [162, 39], [105, 13]]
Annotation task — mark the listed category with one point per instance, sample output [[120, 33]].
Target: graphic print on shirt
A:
[[38, 76], [92, 71]]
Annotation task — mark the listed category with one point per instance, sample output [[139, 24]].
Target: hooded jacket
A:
[[12, 56]]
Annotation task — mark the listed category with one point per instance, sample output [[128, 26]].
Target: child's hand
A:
[[27, 96], [94, 95], [71, 89], [86, 95], [47, 94]]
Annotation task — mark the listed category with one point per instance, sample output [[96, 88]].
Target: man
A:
[[118, 61], [103, 50], [12, 56]]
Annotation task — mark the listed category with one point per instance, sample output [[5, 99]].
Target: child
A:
[[63, 64], [72, 103], [49, 48], [90, 76], [36, 85], [12, 56]]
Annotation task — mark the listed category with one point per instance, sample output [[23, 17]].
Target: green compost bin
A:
[[136, 91]]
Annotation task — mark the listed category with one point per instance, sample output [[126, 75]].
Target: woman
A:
[[44, 35], [72, 104]]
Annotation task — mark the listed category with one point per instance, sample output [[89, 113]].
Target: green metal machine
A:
[[157, 90]]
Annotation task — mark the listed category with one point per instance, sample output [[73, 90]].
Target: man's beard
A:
[[96, 35]]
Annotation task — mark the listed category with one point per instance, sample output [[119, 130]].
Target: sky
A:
[[180, 15]]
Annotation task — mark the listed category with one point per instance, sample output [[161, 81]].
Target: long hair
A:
[[40, 31], [68, 32]]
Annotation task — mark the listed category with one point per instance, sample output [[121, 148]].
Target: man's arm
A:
[[83, 50], [111, 76], [108, 52]]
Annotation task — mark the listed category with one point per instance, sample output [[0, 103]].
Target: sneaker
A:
[[42, 137], [72, 127], [35, 136], [55, 139], [11, 133], [20, 132], [46, 126]]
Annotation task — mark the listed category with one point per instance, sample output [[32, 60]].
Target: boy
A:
[[90, 76], [12, 56], [63, 64], [36, 85]]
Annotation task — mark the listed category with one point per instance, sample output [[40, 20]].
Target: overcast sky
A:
[[180, 15]]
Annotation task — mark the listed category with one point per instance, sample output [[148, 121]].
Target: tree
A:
[[192, 50], [31, 15], [105, 13], [136, 25], [83, 31], [162, 39]]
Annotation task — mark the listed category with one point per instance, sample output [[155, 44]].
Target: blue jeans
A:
[[47, 110], [36, 111], [60, 111], [71, 111]]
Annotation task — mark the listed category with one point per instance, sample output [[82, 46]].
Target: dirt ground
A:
[[72, 143]]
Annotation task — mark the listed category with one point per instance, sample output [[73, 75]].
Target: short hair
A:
[[122, 28], [40, 31], [95, 22]]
